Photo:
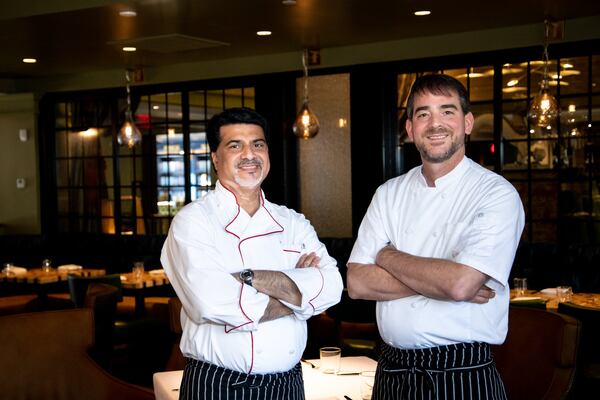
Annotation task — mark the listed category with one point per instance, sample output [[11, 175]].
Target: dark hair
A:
[[437, 84], [231, 116]]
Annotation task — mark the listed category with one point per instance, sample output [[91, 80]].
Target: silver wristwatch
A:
[[246, 275]]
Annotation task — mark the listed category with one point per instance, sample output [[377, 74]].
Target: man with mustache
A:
[[249, 274], [435, 250]]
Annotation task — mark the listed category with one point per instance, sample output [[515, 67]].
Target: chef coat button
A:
[[443, 195], [413, 305], [435, 234], [291, 351], [259, 351]]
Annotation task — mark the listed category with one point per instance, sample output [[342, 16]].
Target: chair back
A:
[[176, 360], [45, 357], [538, 358], [588, 364], [78, 286]]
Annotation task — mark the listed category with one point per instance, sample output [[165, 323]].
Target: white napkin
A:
[[157, 272], [18, 271], [69, 268], [525, 298], [549, 291]]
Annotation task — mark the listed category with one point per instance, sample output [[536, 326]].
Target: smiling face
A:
[[242, 157], [438, 128]]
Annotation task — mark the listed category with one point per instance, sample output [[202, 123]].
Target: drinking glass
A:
[[138, 270], [7, 269], [564, 293], [330, 359], [46, 265], [520, 286], [367, 379]]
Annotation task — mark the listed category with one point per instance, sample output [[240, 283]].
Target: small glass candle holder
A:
[[46, 265]]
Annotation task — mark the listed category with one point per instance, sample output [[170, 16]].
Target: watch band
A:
[[246, 275]]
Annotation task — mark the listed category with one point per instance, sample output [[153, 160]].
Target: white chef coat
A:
[[472, 216], [213, 237]]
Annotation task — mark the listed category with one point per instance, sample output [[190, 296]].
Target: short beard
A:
[[440, 158], [249, 183]]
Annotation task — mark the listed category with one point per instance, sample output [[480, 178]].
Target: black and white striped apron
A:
[[453, 372], [202, 380]]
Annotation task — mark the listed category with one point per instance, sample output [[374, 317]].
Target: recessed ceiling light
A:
[[29, 60], [422, 13], [264, 33], [128, 13], [512, 82], [129, 48]]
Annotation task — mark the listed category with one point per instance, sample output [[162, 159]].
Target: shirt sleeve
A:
[[372, 235], [321, 287], [490, 241], [209, 294]]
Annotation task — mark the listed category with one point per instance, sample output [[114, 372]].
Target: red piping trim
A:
[[320, 290]]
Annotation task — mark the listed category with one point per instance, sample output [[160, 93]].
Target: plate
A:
[[549, 291], [69, 268]]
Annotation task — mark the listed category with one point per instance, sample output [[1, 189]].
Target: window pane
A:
[[197, 106], [573, 75], [249, 97], [215, 102], [233, 98], [537, 74], [174, 111], [158, 108], [514, 81]]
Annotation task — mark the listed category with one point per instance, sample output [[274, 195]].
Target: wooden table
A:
[[317, 385], [38, 276], [41, 282], [138, 287], [551, 299]]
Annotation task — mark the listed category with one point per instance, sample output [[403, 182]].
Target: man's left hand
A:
[[308, 260]]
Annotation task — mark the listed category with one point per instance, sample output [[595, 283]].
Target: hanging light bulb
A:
[[543, 109], [129, 134], [306, 125]]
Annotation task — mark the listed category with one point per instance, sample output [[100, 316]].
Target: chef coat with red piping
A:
[[214, 237]]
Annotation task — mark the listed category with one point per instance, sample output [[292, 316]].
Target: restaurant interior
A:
[[103, 112]]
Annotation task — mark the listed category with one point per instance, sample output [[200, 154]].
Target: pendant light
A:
[[306, 125], [129, 134], [543, 109]]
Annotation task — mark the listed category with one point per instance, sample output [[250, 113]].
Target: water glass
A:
[[46, 265], [367, 379], [564, 293], [520, 285], [330, 359], [137, 270]]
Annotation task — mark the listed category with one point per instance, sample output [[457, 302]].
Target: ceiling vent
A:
[[170, 43]]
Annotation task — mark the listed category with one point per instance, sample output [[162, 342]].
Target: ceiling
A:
[[74, 36]]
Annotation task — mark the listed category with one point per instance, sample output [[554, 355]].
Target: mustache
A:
[[437, 129], [254, 162]]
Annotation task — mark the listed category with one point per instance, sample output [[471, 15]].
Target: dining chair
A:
[[176, 360], [588, 366], [538, 358], [45, 356]]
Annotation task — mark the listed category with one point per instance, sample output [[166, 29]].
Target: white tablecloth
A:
[[317, 385]]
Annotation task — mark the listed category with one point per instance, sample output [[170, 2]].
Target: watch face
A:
[[247, 275]]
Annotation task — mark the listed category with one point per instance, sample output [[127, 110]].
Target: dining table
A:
[[140, 287], [550, 297], [344, 385]]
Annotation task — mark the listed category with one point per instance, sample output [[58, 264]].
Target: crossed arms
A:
[[397, 274]]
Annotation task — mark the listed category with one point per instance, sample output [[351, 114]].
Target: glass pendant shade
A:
[[129, 134], [544, 107], [306, 125]]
